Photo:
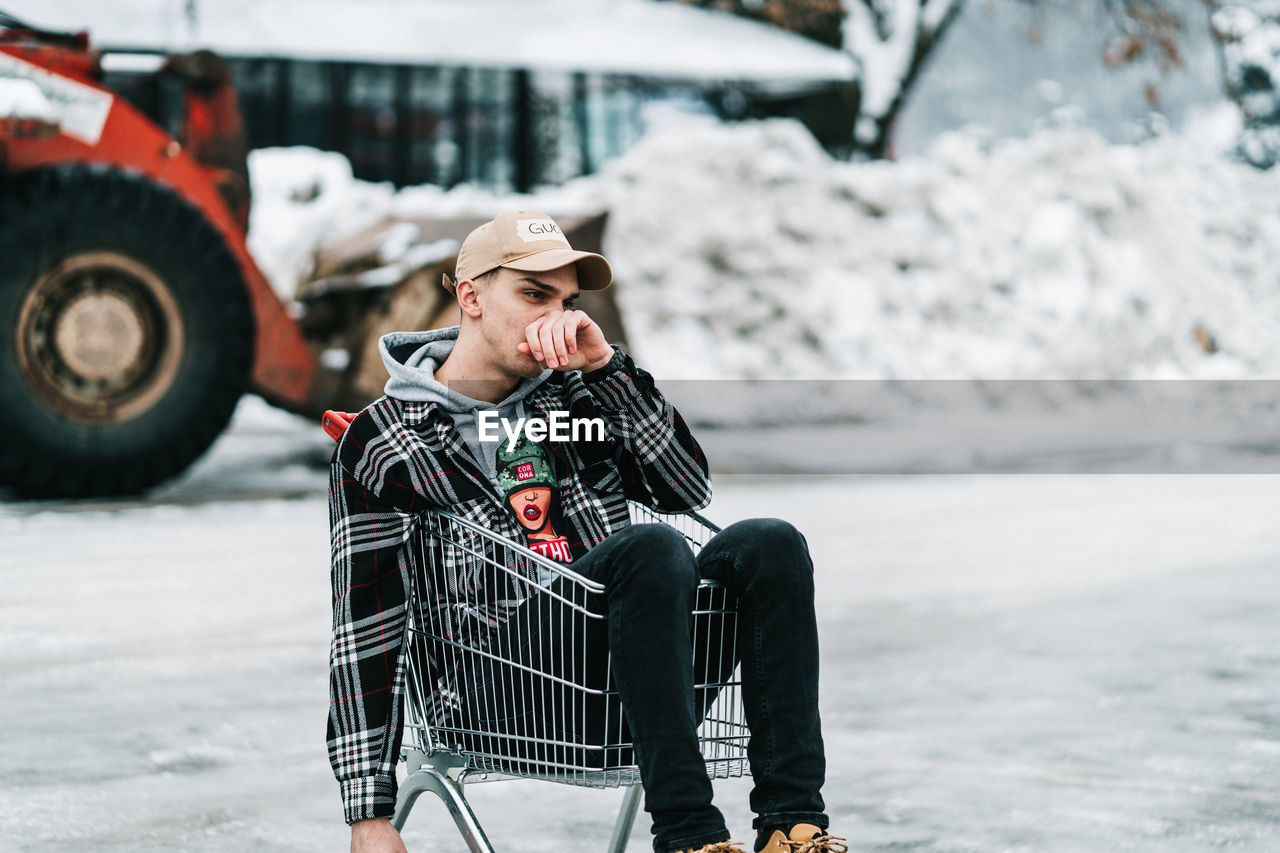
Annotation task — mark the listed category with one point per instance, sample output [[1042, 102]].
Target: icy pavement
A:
[[1011, 663]]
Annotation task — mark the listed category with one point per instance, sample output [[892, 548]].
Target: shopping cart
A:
[[508, 676]]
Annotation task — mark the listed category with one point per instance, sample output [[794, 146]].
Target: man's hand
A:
[[375, 835], [567, 340]]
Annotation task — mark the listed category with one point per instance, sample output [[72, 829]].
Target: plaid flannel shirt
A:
[[400, 458]]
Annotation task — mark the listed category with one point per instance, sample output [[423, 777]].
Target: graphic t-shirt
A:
[[529, 487]]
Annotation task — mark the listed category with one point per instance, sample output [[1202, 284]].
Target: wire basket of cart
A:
[[508, 673]]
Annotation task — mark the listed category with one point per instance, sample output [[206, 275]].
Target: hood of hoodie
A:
[[412, 359]]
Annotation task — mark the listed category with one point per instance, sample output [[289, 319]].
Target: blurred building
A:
[[502, 93]]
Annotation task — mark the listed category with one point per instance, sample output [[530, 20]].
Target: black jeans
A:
[[650, 577]]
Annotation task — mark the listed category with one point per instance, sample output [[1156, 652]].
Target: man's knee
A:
[[771, 536], [652, 555], [773, 549]]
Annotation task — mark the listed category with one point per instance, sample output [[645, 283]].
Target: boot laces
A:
[[820, 844], [720, 847]]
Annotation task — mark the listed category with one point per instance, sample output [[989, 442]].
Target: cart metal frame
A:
[[446, 746]]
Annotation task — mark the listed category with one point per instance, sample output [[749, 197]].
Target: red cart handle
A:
[[336, 423]]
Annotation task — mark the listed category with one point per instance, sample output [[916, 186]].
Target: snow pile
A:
[[1054, 256], [745, 251], [304, 199]]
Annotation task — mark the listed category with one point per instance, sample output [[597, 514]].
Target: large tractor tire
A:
[[126, 334]]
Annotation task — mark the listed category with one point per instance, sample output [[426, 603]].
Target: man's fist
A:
[[566, 340], [375, 835]]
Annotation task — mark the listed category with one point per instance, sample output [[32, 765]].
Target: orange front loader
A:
[[132, 316]]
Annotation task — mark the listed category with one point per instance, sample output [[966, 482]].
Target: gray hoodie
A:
[[412, 359]]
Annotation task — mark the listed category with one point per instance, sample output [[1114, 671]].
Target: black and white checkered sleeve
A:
[[370, 579], [667, 468]]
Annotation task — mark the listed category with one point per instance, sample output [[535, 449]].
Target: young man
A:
[[523, 350]]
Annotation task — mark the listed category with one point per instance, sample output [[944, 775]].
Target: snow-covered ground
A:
[[1041, 664]]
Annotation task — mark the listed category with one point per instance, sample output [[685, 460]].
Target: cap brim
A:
[[594, 272]]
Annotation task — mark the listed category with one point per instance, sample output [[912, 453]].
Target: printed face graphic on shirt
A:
[[532, 506], [526, 480]]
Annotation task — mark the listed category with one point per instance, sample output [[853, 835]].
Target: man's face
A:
[[531, 507], [510, 300]]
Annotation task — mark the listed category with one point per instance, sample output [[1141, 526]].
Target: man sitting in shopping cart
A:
[[522, 350]]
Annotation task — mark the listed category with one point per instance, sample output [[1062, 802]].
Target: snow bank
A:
[[302, 200], [745, 251]]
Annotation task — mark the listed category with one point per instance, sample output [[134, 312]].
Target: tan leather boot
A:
[[717, 847], [803, 838]]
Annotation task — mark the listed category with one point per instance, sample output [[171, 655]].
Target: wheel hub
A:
[[100, 336]]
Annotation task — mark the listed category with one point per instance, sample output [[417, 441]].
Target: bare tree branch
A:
[[892, 40]]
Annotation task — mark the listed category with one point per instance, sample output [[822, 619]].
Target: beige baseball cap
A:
[[527, 241]]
